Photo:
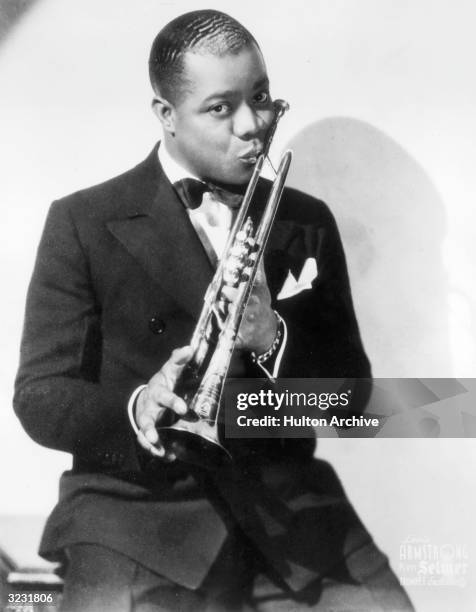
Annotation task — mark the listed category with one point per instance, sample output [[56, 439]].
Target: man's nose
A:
[[248, 123]]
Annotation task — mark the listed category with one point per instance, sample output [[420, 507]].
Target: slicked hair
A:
[[205, 31]]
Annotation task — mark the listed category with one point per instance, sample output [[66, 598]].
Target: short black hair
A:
[[205, 31]]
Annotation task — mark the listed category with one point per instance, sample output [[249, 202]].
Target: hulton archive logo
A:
[[424, 563]]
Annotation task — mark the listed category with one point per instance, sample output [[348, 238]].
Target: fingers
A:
[[229, 294], [259, 294], [260, 278], [171, 370], [157, 449], [158, 397], [148, 415], [180, 356], [259, 321], [162, 397], [260, 288], [154, 448]]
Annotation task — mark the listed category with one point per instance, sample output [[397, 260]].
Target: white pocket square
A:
[[292, 286]]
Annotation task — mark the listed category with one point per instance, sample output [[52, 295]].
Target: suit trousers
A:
[[99, 579]]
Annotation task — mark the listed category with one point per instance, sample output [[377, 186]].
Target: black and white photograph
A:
[[239, 308]]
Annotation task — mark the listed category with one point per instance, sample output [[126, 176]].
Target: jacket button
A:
[[157, 325]]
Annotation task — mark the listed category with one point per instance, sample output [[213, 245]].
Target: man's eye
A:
[[262, 97], [220, 109]]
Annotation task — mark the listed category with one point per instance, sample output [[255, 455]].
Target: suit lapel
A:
[[153, 226], [157, 232]]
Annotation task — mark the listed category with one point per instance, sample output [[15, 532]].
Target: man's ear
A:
[[165, 113]]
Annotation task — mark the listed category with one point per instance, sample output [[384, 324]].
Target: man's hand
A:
[[158, 397], [257, 333], [259, 326]]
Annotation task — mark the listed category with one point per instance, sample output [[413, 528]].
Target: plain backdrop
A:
[[383, 126]]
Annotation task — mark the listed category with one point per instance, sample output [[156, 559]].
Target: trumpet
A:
[[194, 437]]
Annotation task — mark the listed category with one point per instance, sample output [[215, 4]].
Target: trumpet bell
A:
[[195, 441]]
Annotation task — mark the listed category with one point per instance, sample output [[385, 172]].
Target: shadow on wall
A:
[[392, 222], [11, 11]]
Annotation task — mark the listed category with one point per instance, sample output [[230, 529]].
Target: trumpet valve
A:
[[232, 274], [246, 231]]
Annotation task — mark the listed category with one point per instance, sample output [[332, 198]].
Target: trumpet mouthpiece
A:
[[281, 106]]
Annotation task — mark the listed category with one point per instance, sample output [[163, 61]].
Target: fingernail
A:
[[180, 407]]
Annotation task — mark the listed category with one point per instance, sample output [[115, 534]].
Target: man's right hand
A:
[[158, 397]]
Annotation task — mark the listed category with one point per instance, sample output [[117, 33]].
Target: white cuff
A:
[[131, 406]]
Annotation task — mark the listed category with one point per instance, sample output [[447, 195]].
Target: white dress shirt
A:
[[214, 217]]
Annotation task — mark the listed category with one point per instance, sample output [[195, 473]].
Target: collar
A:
[[172, 169]]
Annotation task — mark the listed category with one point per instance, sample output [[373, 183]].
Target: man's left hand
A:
[[259, 325]]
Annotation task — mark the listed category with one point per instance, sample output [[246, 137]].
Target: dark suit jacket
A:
[[118, 284]]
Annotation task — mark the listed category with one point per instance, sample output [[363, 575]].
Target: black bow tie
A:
[[191, 193]]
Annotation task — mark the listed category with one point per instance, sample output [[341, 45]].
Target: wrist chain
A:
[[276, 342]]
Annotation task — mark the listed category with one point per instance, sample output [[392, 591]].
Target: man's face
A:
[[221, 119]]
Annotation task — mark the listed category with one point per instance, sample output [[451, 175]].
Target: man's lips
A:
[[250, 157]]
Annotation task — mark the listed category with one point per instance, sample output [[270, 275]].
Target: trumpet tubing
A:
[[194, 438]]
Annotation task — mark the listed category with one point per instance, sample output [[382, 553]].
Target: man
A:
[[116, 291]]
